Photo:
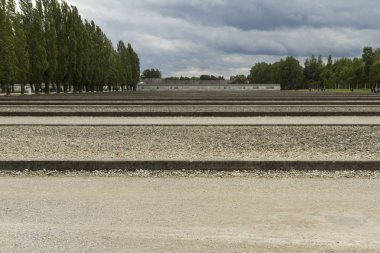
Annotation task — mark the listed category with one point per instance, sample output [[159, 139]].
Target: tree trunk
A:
[[37, 89], [22, 89], [7, 89], [47, 88]]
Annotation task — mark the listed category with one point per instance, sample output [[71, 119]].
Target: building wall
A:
[[179, 87], [156, 81]]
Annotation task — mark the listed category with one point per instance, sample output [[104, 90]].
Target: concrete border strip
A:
[[201, 165], [190, 121], [189, 114]]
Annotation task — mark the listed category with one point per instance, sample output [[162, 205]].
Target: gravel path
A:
[[190, 142], [189, 108], [274, 174], [92, 214], [190, 121]]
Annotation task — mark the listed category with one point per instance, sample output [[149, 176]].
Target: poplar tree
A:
[[51, 44], [135, 66], [61, 12], [124, 69], [368, 58], [38, 54], [7, 52], [26, 15], [22, 55]]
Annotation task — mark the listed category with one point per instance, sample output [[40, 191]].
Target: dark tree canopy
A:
[[48, 45], [239, 79], [151, 73], [342, 73]]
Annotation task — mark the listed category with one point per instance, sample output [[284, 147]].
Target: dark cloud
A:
[[227, 37], [272, 14]]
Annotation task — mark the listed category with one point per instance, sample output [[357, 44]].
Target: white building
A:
[[196, 85]]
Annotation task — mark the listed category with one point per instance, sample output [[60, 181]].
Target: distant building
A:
[[201, 85]]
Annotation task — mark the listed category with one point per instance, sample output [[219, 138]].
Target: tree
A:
[[61, 13], [342, 73], [326, 78], [239, 79], [375, 74], [37, 49], [22, 55], [290, 73], [211, 78], [151, 73], [51, 43], [135, 66], [7, 47], [368, 58], [312, 72], [358, 67], [261, 73], [125, 69]]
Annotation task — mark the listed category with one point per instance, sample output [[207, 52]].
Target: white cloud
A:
[[225, 37]]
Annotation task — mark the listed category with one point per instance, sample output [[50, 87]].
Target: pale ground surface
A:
[[171, 214], [210, 108], [183, 121], [190, 142]]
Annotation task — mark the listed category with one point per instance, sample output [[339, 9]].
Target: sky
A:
[[227, 37]]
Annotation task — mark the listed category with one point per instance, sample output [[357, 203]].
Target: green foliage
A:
[[7, 47], [48, 43], [291, 73], [343, 73], [211, 78], [374, 74], [239, 79], [313, 71], [151, 73], [37, 51], [182, 78], [261, 73]]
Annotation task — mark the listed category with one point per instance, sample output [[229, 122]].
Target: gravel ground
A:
[[190, 108], [190, 142], [93, 214], [197, 174], [192, 121]]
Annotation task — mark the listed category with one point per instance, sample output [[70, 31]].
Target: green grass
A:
[[362, 91]]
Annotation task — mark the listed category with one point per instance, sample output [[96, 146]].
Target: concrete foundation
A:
[[201, 85], [190, 165]]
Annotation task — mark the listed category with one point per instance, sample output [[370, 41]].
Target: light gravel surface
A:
[[96, 214], [189, 108], [190, 142], [190, 121], [273, 174]]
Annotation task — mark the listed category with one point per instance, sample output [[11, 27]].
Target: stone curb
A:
[[186, 114], [78, 165], [189, 103]]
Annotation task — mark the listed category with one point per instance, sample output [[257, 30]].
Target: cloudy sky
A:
[[225, 37]]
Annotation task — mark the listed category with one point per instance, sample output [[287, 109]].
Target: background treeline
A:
[[197, 78], [201, 78], [151, 74], [48, 45], [344, 73], [156, 74]]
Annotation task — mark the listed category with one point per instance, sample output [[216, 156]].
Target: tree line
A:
[[356, 73], [49, 46], [155, 73], [196, 78]]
